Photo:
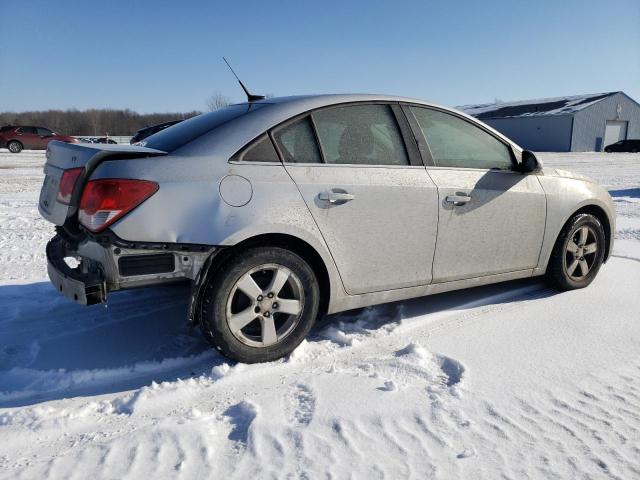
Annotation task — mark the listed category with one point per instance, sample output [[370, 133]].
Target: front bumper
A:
[[84, 284]]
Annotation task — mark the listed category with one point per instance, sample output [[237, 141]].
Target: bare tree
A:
[[94, 119], [217, 101]]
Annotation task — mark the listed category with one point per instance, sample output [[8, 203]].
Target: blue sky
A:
[[166, 55]]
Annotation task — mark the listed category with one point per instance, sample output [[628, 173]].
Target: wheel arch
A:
[[300, 247], [295, 244], [14, 140], [601, 215]]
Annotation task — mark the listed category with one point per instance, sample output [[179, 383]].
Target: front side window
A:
[[454, 142], [297, 142], [360, 134], [44, 131]]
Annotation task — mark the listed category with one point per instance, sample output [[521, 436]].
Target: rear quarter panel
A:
[[188, 207]]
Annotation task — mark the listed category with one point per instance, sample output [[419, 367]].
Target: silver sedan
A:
[[279, 211]]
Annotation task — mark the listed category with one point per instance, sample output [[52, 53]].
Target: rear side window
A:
[[182, 133], [297, 142], [260, 151], [360, 134], [26, 130], [454, 142]]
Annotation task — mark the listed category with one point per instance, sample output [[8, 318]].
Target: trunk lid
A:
[[65, 156]]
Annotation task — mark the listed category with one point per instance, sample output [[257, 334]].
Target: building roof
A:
[[535, 108]]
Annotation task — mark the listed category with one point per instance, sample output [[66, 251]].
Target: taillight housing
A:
[[67, 182], [106, 200]]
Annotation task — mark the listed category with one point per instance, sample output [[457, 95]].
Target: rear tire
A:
[[14, 146], [577, 254], [260, 304]]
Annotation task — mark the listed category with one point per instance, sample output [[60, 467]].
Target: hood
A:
[[556, 172]]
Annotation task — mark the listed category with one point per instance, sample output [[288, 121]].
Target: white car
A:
[[284, 209]]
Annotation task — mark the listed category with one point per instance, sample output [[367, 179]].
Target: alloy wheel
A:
[[581, 252], [265, 305]]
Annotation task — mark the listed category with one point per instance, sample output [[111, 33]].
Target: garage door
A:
[[615, 131]]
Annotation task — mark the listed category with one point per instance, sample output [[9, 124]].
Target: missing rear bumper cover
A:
[[84, 285]]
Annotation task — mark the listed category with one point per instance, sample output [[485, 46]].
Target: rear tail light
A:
[[105, 201], [67, 182]]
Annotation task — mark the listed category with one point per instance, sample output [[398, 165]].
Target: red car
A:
[[15, 138]]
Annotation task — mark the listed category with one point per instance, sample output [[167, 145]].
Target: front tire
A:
[[260, 304], [577, 254], [14, 146]]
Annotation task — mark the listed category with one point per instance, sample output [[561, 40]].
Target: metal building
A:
[[580, 123]]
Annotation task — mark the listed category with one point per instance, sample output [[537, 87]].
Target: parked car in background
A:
[[281, 210], [624, 146], [105, 140], [148, 131], [17, 138]]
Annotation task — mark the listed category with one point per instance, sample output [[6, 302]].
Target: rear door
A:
[[28, 137], [491, 218], [370, 196]]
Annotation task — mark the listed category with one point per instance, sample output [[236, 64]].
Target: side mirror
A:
[[529, 162]]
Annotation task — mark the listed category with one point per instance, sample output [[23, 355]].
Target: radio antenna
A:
[[250, 96]]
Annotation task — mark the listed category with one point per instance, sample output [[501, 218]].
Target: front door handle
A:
[[457, 200], [336, 197]]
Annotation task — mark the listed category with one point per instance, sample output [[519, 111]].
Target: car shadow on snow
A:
[[626, 192], [51, 348]]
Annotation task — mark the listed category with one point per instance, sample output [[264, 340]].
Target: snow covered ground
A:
[[512, 380]]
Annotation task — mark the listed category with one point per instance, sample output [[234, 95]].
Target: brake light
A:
[[107, 200], [67, 182]]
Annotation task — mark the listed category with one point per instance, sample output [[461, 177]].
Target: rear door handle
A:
[[335, 197], [457, 200]]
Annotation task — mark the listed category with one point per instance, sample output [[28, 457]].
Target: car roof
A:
[[287, 107], [337, 98], [25, 126]]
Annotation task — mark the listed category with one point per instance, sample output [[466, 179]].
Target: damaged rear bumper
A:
[[86, 287], [103, 269]]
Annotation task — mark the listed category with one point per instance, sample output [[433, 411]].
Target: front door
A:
[[44, 137], [376, 211], [491, 218]]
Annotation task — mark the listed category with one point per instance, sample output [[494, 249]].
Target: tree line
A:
[[104, 121], [91, 122]]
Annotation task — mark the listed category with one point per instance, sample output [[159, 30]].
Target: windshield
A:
[[182, 133]]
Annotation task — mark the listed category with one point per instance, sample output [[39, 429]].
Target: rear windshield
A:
[[182, 133]]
